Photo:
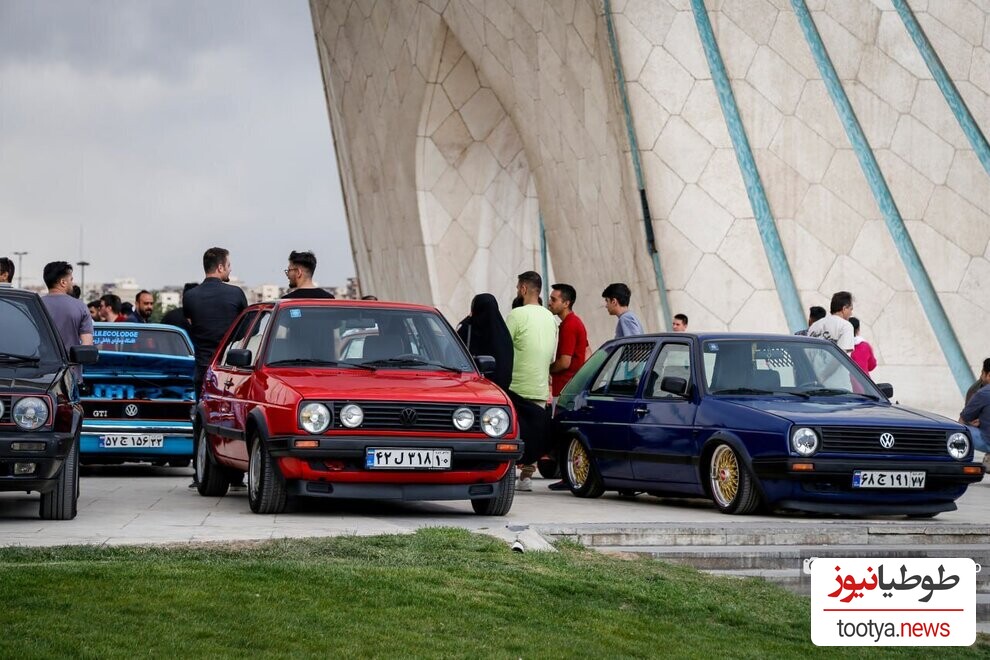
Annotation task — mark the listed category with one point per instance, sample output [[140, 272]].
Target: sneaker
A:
[[560, 485], [986, 462], [238, 488], [193, 486], [525, 485]]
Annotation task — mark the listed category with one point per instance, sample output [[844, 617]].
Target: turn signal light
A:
[[803, 467], [306, 444], [506, 446], [973, 469]]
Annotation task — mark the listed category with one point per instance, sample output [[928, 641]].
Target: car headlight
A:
[[804, 441], [958, 446], [30, 413], [351, 415], [463, 419], [495, 422], [314, 417]]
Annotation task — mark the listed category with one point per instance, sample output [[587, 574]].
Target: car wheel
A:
[[582, 472], [732, 485], [60, 502], [548, 467], [499, 506], [180, 462], [211, 479], [266, 485]]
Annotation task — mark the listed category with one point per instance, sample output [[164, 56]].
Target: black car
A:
[[40, 413]]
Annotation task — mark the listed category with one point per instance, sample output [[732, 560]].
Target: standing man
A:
[[210, 309], [94, 309], [815, 313], [300, 271], [71, 317], [617, 296], [572, 348], [680, 323], [144, 305], [110, 308], [836, 326], [976, 414], [6, 272], [534, 336]]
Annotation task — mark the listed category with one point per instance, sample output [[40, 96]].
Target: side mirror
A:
[[238, 357], [674, 385], [84, 354], [886, 389], [486, 364]]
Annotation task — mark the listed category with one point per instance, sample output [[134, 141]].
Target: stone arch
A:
[[478, 205]]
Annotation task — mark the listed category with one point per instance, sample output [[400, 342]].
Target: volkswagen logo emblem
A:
[[407, 416], [886, 440], [131, 410]]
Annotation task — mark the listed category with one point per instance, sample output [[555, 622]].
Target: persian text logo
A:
[[893, 602]]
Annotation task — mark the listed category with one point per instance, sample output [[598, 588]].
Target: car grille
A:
[[859, 440], [117, 409], [7, 401], [392, 416]]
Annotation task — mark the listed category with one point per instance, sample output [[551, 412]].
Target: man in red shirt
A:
[[572, 345]]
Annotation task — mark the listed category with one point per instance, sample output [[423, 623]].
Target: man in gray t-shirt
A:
[[977, 411], [71, 316], [617, 296]]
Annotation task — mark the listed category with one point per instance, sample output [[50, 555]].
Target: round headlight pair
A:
[[958, 446], [495, 422], [804, 441], [30, 413]]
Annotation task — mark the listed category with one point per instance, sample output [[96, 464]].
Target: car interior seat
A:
[[733, 367], [766, 379], [382, 347]]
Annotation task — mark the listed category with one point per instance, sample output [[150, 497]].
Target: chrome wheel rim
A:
[[724, 475], [201, 456], [578, 464], [254, 470]]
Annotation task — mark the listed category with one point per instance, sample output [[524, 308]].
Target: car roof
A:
[[332, 302], [137, 326], [14, 292], [722, 336]]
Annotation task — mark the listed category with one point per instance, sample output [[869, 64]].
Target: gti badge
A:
[[886, 440], [131, 411], [407, 416]]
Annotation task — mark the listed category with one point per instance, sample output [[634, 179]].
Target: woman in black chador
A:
[[484, 333]]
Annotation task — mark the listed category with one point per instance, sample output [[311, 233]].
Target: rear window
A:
[[151, 341], [24, 333]]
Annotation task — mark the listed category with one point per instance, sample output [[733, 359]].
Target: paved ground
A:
[[143, 504]]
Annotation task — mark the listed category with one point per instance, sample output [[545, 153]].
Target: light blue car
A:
[[138, 398]]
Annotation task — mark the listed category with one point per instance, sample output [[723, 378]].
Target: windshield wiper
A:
[[830, 391], [312, 362], [411, 362], [742, 390], [16, 358]]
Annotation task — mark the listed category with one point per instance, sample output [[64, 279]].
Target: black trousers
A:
[[533, 425]]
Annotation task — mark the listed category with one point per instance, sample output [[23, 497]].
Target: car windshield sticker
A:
[[115, 336], [711, 347], [295, 313]]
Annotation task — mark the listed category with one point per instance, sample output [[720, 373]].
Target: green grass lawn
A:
[[440, 592]]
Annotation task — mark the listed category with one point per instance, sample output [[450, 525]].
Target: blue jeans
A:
[[979, 440]]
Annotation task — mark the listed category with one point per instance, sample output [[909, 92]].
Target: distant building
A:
[[168, 299], [263, 292]]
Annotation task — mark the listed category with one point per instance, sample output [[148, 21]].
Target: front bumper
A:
[[177, 439], [48, 461], [828, 487], [397, 491]]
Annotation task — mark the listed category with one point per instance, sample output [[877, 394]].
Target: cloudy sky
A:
[[161, 128]]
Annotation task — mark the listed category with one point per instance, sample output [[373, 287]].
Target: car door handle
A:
[[228, 383], [641, 410]]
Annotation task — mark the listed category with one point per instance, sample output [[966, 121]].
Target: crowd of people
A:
[[535, 355]]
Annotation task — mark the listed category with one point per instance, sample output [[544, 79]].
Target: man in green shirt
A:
[[534, 342]]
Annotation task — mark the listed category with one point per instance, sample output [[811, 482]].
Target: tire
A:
[[732, 487], [581, 471], [265, 483], [499, 506], [211, 479], [180, 462], [61, 502], [548, 467]]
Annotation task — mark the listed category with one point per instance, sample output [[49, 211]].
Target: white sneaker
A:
[[524, 485]]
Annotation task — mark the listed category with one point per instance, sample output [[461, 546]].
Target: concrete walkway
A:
[[147, 505]]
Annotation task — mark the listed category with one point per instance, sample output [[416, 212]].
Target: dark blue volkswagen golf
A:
[[755, 421]]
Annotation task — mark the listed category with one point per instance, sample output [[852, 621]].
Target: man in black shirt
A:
[[300, 271], [210, 308]]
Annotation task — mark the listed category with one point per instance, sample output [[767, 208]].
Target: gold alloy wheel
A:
[[578, 463], [724, 475]]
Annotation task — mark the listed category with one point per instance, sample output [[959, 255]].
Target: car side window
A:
[[236, 336], [674, 361], [623, 371], [256, 335]]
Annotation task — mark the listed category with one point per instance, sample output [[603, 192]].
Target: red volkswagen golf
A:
[[353, 399]]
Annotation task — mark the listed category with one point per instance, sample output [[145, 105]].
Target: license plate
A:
[[389, 458], [131, 440], [880, 479]]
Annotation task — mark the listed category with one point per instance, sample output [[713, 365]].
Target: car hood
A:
[[29, 379], [845, 413], [390, 385], [114, 363]]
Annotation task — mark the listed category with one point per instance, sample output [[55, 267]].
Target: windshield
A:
[[24, 336], [363, 337], [153, 341], [736, 366]]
